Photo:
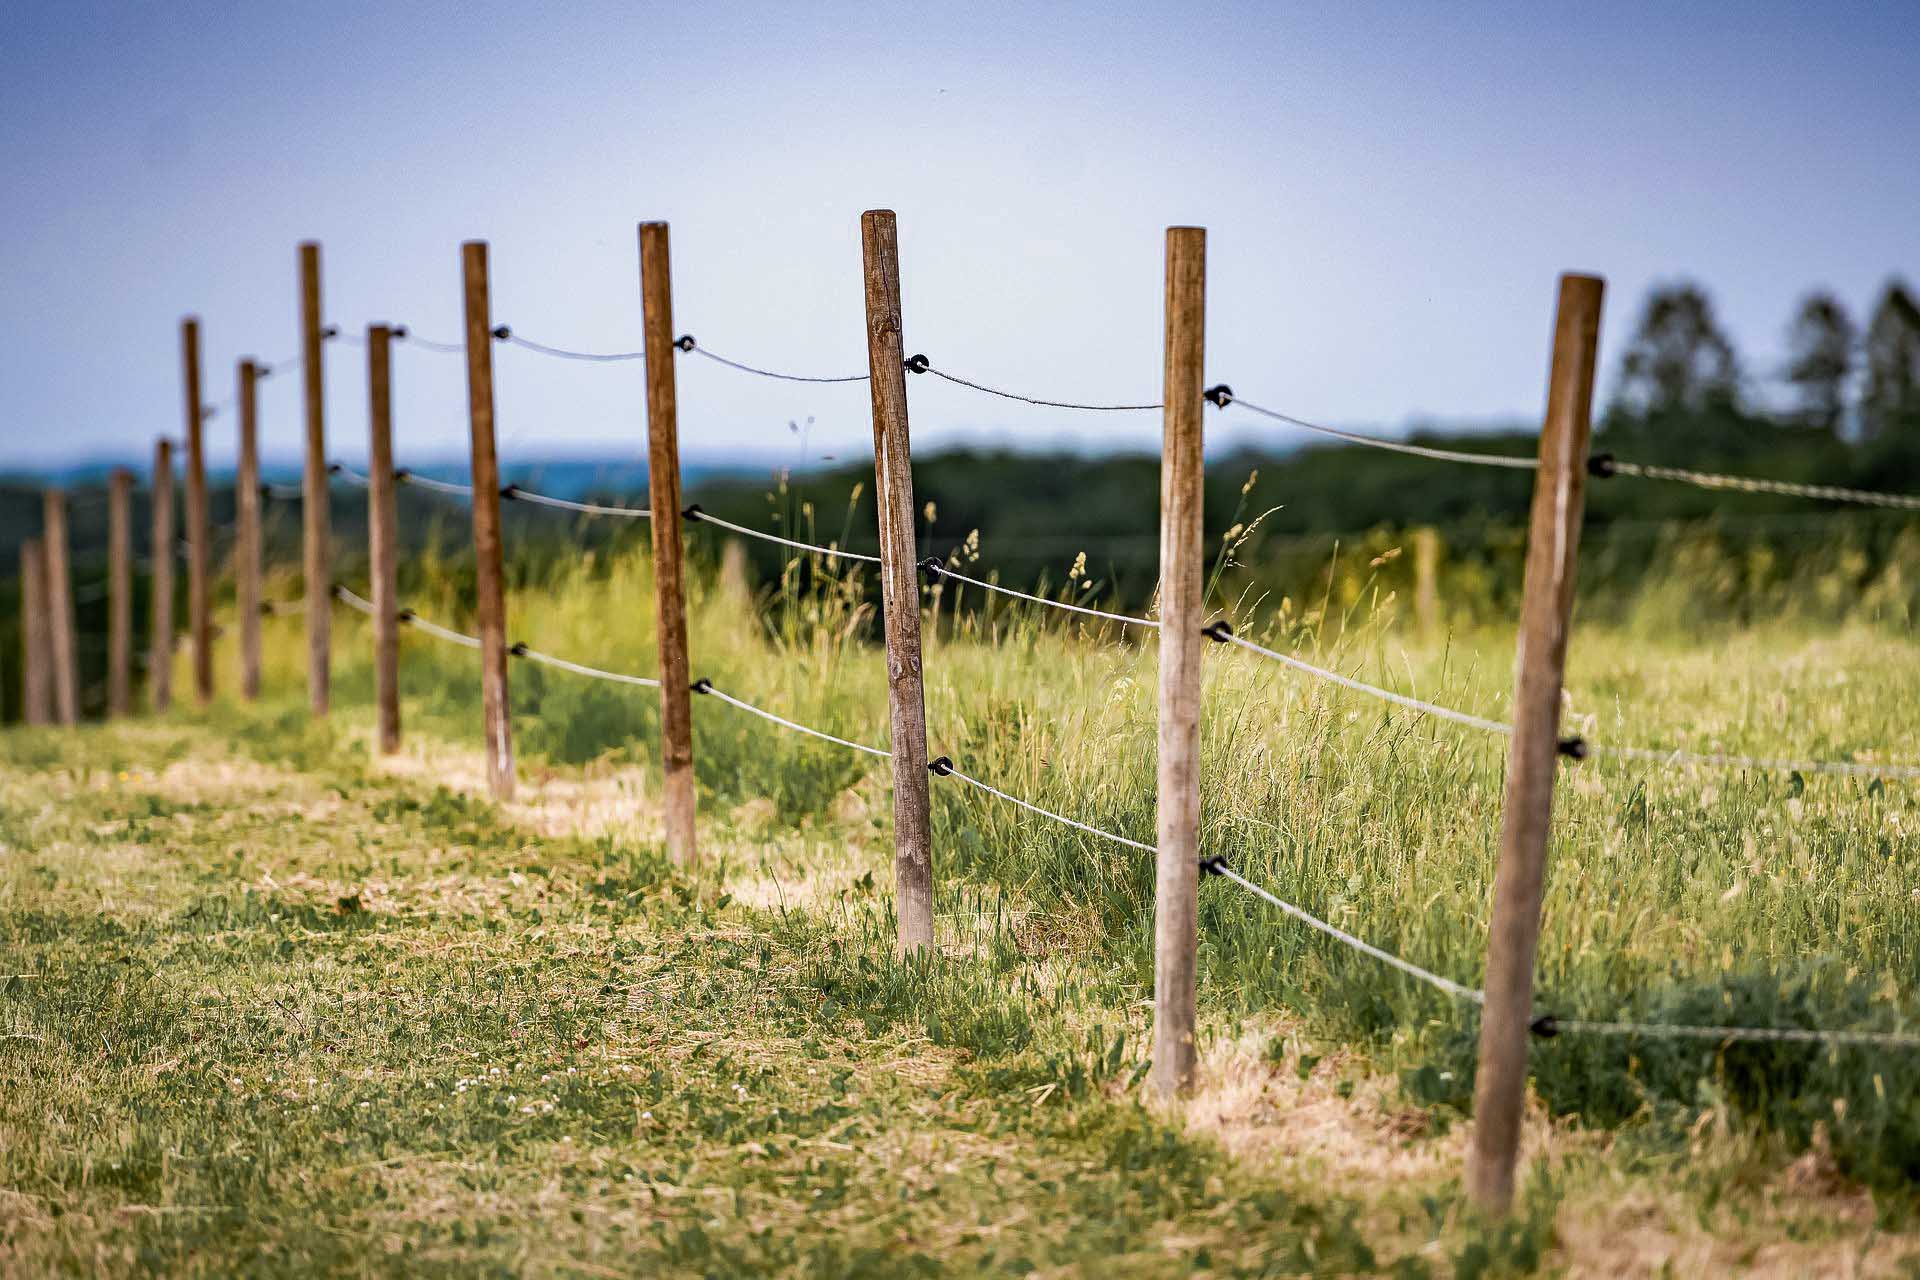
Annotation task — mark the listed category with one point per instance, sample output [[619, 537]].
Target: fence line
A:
[[705, 687], [517, 494], [934, 568], [696, 513]]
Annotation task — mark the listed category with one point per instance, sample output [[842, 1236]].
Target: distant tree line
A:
[[1680, 364]]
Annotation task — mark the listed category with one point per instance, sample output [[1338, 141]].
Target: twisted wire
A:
[[695, 513], [944, 768], [428, 344], [940, 570], [517, 494], [1219, 867], [919, 364], [438, 486], [1223, 397], [1750, 484], [705, 687], [1551, 1025], [596, 357], [547, 659], [1222, 633], [1847, 768], [687, 344]]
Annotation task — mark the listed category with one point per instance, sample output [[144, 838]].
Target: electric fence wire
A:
[[696, 513], [944, 768], [686, 343], [705, 688], [934, 568], [1223, 396], [407, 335], [506, 334], [920, 364], [580, 669], [437, 486], [515, 493], [1549, 1025]]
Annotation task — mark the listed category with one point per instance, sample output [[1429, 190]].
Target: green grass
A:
[[263, 985]]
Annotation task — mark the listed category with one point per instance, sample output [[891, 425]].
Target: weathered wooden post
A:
[[36, 641], [246, 551], [1182, 612], [1426, 580], [489, 588], [380, 536], [314, 490], [199, 556], [65, 647], [669, 566], [1553, 541], [160, 553], [120, 592], [899, 582]]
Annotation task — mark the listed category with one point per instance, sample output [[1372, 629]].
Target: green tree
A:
[[1821, 341], [1679, 360], [1892, 390]]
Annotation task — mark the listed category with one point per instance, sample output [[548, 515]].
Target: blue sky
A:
[[1390, 192]]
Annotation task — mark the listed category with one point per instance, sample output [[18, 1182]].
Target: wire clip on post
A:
[[397, 331], [693, 512], [510, 492], [331, 331], [1219, 397], [502, 332], [1214, 866], [932, 567], [702, 685], [1573, 748], [1546, 1026], [405, 615], [940, 766], [1219, 631], [684, 342], [918, 364], [518, 648], [1601, 465]]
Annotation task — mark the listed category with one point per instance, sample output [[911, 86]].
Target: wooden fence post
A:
[[314, 491], [669, 566], [1426, 580], [380, 536], [246, 552], [160, 553], [1553, 541], [899, 582], [36, 667], [199, 559], [490, 590], [1182, 612], [66, 653], [120, 592]]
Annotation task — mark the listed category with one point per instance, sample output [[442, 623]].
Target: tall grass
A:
[[1673, 892]]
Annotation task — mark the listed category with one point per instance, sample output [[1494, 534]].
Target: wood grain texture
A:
[[490, 596], [899, 582], [120, 592], [246, 547], [199, 526], [669, 566], [1182, 613], [315, 497], [161, 551], [1546, 607], [61, 631], [382, 533], [36, 640]]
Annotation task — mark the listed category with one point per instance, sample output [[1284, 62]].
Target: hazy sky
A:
[[1389, 191]]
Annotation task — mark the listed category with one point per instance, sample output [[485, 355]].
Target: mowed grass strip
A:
[[266, 1020]]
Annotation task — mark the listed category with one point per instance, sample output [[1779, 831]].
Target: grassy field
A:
[[272, 1005]]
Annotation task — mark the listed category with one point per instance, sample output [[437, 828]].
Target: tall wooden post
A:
[[380, 536], [1426, 580], [161, 553], [1182, 612], [314, 491], [489, 588], [1553, 541], [36, 641], [669, 568], [66, 652], [199, 555], [246, 552], [120, 592], [899, 582]]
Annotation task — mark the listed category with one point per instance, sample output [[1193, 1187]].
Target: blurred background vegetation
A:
[[1312, 528]]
